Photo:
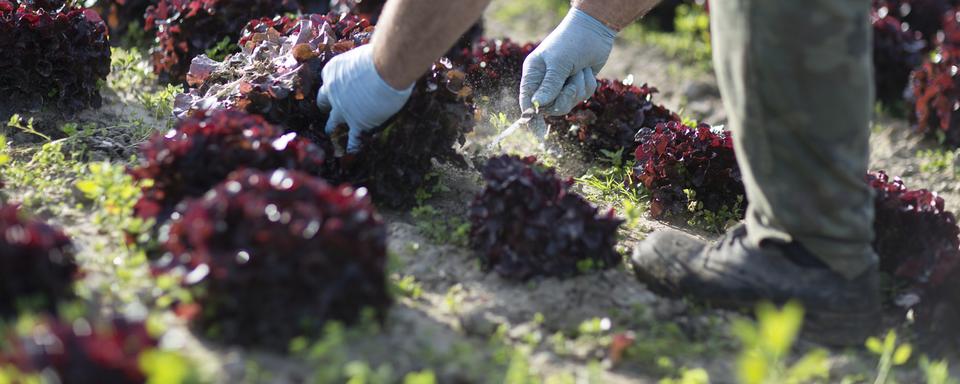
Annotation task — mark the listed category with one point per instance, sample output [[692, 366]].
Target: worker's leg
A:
[[796, 80], [795, 76]]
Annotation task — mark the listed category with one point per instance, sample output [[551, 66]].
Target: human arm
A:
[[366, 86], [413, 34], [616, 14], [561, 72]]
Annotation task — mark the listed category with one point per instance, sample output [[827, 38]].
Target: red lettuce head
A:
[[897, 50], [122, 16], [275, 255], [526, 222], [493, 66], [54, 58], [935, 87], [80, 352], [281, 80], [674, 158], [611, 119], [184, 29], [202, 150], [917, 239], [37, 266]]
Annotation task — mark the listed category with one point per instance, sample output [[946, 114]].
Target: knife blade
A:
[[529, 118]]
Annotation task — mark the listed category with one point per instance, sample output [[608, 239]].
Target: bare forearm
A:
[[412, 34], [616, 14]]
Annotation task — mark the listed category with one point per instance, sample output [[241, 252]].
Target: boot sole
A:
[[838, 329], [827, 328]]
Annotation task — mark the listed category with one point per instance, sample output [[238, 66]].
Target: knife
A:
[[530, 118]]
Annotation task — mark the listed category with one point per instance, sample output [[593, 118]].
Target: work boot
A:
[[735, 275]]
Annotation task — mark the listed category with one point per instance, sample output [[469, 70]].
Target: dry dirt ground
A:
[[464, 320]]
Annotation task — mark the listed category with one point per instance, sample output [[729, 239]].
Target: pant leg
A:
[[796, 79]]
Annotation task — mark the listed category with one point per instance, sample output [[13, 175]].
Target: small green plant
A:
[[660, 344], [131, 77], [407, 286], [422, 377], [331, 354], [891, 355], [689, 376], [360, 372], [690, 42], [16, 122], [40, 181], [453, 299], [87, 130], [518, 11], [160, 102], [938, 160], [499, 121], [130, 72], [444, 229], [595, 326], [518, 372], [716, 222], [611, 183], [937, 372], [586, 265], [4, 154], [11, 375], [767, 345], [167, 367], [113, 194], [222, 49], [136, 36], [431, 186]]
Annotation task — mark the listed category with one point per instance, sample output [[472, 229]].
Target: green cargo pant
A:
[[796, 80]]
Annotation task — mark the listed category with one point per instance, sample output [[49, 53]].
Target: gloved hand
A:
[[355, 94], [561, 72]]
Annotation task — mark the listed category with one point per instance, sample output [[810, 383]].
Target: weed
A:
[[328, 353], [938, 160], [689, 376], [453, 299], [222, 49], [611, 183], [767, 345], [936, 372], [660, 343], [40, 181], [132, 78], [514, 12], [444, 229], [113, 194], [130, 72], [716, 222], [518, 372], [499, 121], [407, 286], [690, 43], [73, 130], [422, 377], [160, 102], [891, 355], [167, 367], [110, 195], [431, 186], [4, 155], [16, 122]]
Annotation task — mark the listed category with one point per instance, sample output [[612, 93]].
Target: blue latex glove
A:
[[561, 72], [355, 94]]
